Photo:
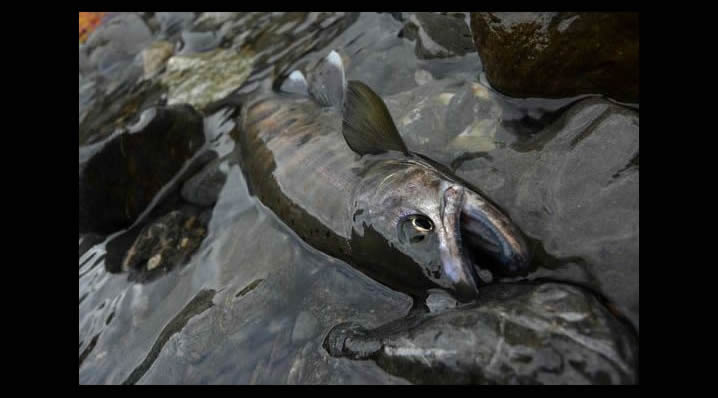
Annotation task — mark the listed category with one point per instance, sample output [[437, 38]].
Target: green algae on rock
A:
[[548, 54], [164, 244], [200, 79]]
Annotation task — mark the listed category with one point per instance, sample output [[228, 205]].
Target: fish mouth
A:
[[491, 239], [477, 239]]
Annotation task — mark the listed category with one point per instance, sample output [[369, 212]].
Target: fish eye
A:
[[422, 223], [415, 228]]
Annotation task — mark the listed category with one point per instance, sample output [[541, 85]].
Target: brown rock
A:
[[527, 54]]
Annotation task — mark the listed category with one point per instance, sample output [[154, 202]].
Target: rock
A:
[[120, 176], [204, 187], [155, 56], [208, 21], [102, 113], [438, 36], [199, 42], [114, 45], [546, 54], [305, 326], [573, 190], [89, 240], [172, 23], [439, 301], [201, 79], [455, 116], [124, 32], [164, 244], [517, 334]]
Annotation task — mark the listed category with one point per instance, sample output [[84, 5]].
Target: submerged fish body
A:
[[313, 158]]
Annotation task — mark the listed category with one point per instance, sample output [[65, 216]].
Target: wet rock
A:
[[213, 20], [164, 244], [172, 23], [89, 240], [155, 56], [438, 36], [198, 42], [573, 190], [517, 334], [121, 175], [101, 112], [546, 54], [114, 45], [204, 187], [453, 117], [440, 301], [305, 326], [201, 79]]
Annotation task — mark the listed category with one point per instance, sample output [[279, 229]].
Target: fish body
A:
[[318, 158]]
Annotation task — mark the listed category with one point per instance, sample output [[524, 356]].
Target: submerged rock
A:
[[453, 117], [155, 56], [200, 79], [172, 23], [199, 42], [102, 112], [518, 334], [120, 176], [573, 188], [166, 243], [548, 54], [112, 49], [204, 187], [438, 36]]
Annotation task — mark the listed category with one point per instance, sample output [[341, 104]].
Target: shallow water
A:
[[254, 302]]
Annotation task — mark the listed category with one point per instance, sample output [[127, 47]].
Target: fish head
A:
[[453, 234]]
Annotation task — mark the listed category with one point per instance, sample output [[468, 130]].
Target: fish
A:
[[325, 156]]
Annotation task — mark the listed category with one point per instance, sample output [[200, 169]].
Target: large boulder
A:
[[438, 36], [120, 176], [548, 54], [573, 188], [517, 334]]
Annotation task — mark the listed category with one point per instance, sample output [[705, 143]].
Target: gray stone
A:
[[204, 187], [573, 189], [516, 334]]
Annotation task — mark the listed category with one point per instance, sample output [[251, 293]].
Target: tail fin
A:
[[328, 82]]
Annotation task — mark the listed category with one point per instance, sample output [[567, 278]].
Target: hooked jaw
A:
[[471, 223]]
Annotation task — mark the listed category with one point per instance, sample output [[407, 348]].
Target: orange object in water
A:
[[89, 21]]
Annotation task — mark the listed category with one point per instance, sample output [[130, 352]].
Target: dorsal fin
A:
[[295, 84], [367, 125], [328, 82]]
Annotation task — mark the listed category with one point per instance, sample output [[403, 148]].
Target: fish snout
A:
[[491, 238], [456, 266]]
